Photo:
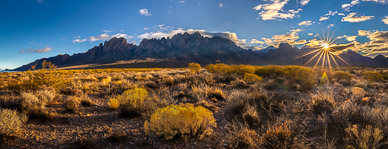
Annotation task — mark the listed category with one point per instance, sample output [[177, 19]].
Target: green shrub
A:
[[372, 76], [183, 120], [341, 75]]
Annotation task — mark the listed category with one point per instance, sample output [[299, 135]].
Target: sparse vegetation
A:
[[224, 106]]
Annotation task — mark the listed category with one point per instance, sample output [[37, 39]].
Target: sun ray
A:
[[312, 58], [328, 61], [334, 60], [324, 59], [318, 59]]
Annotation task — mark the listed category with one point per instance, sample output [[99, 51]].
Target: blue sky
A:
[[32, 29]]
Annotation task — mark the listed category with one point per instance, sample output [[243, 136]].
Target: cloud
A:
[[144, 12], [304, 2], [181, 2], [347, 7], [363, 32], [385, 20], [78, 40], [103, 36], [305, 23], [342, 47], [323, 18], [330, 26], [220, 5], [347, 37], [33, 51], [291, 38], [310, 34], [255, 41], [274, 10], [377, 44], [351, 17]]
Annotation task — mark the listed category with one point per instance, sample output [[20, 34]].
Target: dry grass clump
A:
[[322, 103], [11, 122], [364, 138], [279, 135], [240, 136], [73, 104], [194, 67], [183, 120], [203, 92]]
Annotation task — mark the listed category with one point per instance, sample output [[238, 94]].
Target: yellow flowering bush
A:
[[252, 78], [183, 120], [194, 67], [133, 98]]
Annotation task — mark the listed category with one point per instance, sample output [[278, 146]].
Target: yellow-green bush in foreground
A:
[[183, 120]]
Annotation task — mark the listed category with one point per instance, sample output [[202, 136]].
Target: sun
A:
[[324, 53], [326, 46]]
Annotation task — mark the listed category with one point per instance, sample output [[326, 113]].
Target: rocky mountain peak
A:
[[115, 44]]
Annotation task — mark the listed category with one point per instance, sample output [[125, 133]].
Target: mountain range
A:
[[182, 49]]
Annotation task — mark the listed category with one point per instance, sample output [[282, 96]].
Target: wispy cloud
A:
[[33, 51], [274, 10], [348, 37], [101, 37], [351, 17], [220, 5], [304, 2], [144, 12], [305, 23], [330, 26]]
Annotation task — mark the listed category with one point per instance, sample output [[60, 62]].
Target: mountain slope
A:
[[184, 48]]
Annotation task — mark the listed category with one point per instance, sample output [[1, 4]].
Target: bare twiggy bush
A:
[[240, 136], [34, 107], [279, 135], [364, 138], [11, 122], [47, 96]]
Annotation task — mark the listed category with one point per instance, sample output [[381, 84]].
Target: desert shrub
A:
[[183, 120], [47, 76], [47, 96], [243, 69], [293, 74], [194, 67], [11, 122], [240, 136], [114, 103], [252, 78], [250, 115], [219, 68], [364, 138], [168, 80], [322, 103], [132, 102], [201, 92], [341, 75], [372, 76], [73, 104], [33, 106], [280, 135]]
